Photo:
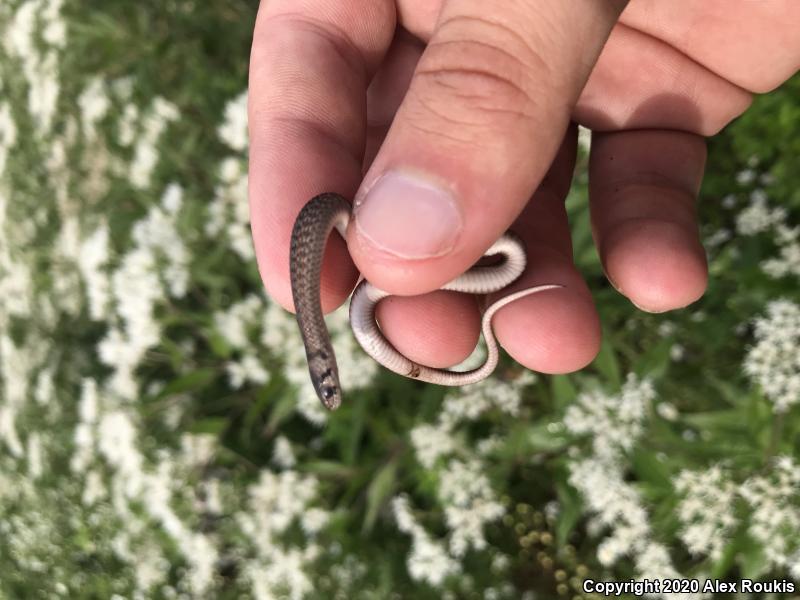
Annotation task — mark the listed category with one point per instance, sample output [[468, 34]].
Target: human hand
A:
[[477, 142]]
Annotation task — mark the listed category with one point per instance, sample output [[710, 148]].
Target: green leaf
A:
[[655, 361], [356, 428], [606, 362], [379, 490], [186, 383], [563, 390], [219, 345], [540, 439], [213, 425], [732, 394], [283, 410], [724, 564], [731, 420], [570, 511], [753, 561], [274, 388], [175, 353], [652, 470], [327, 468]]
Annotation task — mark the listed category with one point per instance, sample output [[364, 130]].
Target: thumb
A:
[[483, 118]]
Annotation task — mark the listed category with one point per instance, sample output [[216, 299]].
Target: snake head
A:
[[325, 377], [330, 395]]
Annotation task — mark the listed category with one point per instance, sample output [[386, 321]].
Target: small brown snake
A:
[[314, 224]]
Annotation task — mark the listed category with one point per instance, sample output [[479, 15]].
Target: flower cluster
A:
[[428, 561], [773, 499], [464, 492], [760, 217], [773, 363], [706, 510], [614, 422], [618, 510]]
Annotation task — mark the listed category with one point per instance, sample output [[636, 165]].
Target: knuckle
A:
[[477, 72]]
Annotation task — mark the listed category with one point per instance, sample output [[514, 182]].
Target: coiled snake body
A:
[[314, 224]]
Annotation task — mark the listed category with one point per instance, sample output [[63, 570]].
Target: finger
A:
[[755, 62], [388, 88], [642, 186], [642, 82], [555, 331], [439, 329], [311, 63], [484, 116]]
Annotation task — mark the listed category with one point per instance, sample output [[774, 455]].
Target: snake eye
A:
[[328, 392]]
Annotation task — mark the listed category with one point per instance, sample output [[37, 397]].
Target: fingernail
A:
[[409, 215], [652, 311]]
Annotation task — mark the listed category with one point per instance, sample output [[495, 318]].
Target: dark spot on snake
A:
[[414, 372], [320, 354]]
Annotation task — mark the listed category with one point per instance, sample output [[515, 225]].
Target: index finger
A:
[[310, 65]]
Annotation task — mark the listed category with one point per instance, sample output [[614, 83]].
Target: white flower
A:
[[470, 504], [719, 237], [127, 124], [94, 105], [233, 130], [706, 510], [197, 449], [667, 411], [774, 499], [614, 422], [229, 211], [94, 488], [282, 576], [282, 453], [430, 443], [616, 506], [667, 328], [145, 154], [233, 324], [8, 432], [275, 502], [231, 169], [729, 201], [745, 177], [92, 257], [774, 362], [39, 65], [427, 561], [758, 216], [314, 520], [172, 199], [247, 370], [8, 134], [469, 403], [677, 352], [788, 263]]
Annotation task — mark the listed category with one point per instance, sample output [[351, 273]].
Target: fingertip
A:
[[659, 265], [557, 331]]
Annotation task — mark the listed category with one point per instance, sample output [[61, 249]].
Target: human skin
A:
[[465, 107]]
